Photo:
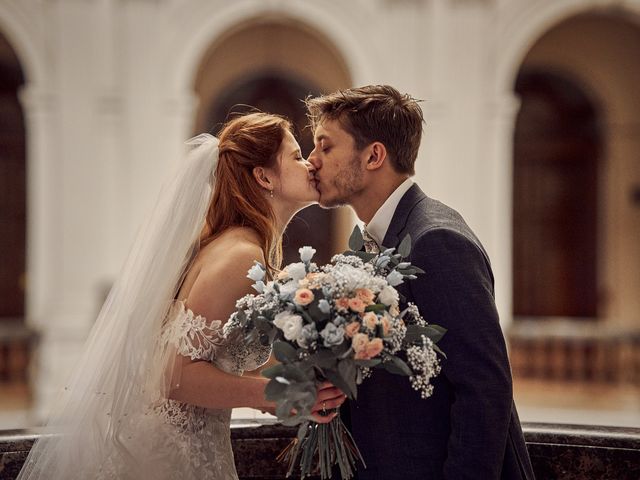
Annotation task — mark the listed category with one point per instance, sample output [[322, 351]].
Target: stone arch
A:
[[208, 22], [272, 64], [24, 40], [525, 23], [609, 75], [521, 25]]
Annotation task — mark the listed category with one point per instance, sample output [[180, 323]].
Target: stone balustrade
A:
[[562, 452]]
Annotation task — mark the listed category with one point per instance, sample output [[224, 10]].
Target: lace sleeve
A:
[[193, 335]]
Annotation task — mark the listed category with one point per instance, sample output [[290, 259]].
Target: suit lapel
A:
[[400, 217]]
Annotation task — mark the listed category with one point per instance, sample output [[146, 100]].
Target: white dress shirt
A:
[[380, 222]]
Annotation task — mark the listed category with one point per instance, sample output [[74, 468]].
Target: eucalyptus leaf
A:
[[323, 358], [437, 349], [275, 390], [335, 378], [347, 370], [397, 366], [367, 363], [356, 242], [273, 372], [376, 307], [433, 332], [404, 248], [284, 352]]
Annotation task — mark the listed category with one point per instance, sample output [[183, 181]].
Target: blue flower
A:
[[307, 335], [256, 273], [332, 335], [324, 306], [395, 278]]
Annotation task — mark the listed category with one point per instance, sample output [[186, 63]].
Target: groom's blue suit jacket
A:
[[469, 427]]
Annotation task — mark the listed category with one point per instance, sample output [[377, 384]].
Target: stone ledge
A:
[[567, 452]]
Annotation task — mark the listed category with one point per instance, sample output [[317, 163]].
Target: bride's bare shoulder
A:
[[222, 274], [234, 244]]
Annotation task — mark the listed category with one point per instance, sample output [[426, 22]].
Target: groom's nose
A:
[[314, 160]]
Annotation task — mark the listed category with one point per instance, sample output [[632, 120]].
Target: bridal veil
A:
[[123, 368]]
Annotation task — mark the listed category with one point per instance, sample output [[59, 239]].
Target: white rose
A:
[[306, 253], [297, 271], [290, 324], [389, 296], [287, 290]]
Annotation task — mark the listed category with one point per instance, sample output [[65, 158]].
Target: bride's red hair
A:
[[246, 142]]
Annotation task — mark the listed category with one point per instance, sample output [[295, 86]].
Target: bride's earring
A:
[[271, 193]]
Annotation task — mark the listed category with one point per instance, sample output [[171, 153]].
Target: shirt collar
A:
[[380, 222]]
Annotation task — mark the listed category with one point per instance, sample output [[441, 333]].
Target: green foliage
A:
[[396, 366], [356, 242], [284, 352], [404, 248], [433, 332]]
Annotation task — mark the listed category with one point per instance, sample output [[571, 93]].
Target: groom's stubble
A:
[[347, 182]]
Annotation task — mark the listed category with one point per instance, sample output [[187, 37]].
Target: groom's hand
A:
[[328, 399]]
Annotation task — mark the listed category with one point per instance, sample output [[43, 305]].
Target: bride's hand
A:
[[328, 400]]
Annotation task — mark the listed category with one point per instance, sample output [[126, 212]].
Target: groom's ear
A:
[[377, 155], [260, 174]]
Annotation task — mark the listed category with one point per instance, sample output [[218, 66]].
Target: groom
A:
[[366, 144]]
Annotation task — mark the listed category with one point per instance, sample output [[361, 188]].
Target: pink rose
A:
[[303, 296], [374, 347], [357, 305], [342, 304], [361, 355], [386, 326], [365, 295], [370, 319], [359, 342], [370, 349], [351, 329]]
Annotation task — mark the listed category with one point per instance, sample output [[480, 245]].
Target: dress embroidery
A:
[[174, 440]]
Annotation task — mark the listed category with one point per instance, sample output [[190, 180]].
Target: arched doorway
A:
[[12, 185], [273, 65], [13, 334], [578, 84], [576, 213], [557, 148]]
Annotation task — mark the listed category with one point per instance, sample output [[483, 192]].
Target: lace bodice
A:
[[174, 440], [198, 338]]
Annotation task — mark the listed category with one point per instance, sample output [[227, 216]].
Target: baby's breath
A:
[[424, 362]]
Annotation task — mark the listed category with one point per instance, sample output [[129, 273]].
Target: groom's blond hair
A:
[[374, 113]]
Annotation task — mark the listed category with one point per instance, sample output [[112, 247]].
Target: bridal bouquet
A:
[[336, 323]]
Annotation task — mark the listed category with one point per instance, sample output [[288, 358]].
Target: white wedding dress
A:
[[174, 440]]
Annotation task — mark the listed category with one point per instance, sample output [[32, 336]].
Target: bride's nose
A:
[[310, 167]]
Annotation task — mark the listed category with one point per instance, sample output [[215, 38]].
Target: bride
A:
[[152, 393]]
